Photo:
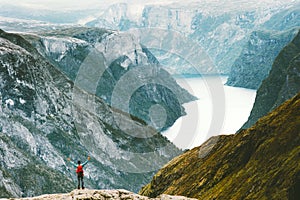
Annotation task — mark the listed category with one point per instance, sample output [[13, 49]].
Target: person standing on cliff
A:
[[79, 170]]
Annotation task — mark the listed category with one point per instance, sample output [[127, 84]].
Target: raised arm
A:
[[86, 162], [72, 163]]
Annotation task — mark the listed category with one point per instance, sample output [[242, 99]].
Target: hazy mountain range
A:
[[219, 30]]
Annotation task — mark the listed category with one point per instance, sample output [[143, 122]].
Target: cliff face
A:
[[282, 83], [46, 118], [124, 73], [256, 59], [261, 162]]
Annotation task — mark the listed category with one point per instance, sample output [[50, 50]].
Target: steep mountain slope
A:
[[282, 83], [45, 118], [256, 59], [261, 162], [122, 61]]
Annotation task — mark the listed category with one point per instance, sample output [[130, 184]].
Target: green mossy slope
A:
[[261, 162]]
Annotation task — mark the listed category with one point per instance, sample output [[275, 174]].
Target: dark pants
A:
[[80, 179]]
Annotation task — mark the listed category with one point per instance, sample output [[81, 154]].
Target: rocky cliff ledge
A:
[[100, 194]]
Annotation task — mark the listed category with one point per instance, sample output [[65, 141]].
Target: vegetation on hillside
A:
[[261, 162]]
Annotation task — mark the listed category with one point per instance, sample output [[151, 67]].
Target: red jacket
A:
[[79, 169]]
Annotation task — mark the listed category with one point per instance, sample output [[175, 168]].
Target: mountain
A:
[[261, 162], [256, 59], [282, 83], [46, 118], [217, 29], [102, 194], [19, 11], [216, 32], [284, 19], [115, 17], [126, 75], [22, 25]]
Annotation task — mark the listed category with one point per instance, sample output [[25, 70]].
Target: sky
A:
[[77, 4], [87, 4]]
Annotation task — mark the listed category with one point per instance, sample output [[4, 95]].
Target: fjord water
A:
[[220, 109]]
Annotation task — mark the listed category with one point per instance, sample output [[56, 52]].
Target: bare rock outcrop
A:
[[85, 194]]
